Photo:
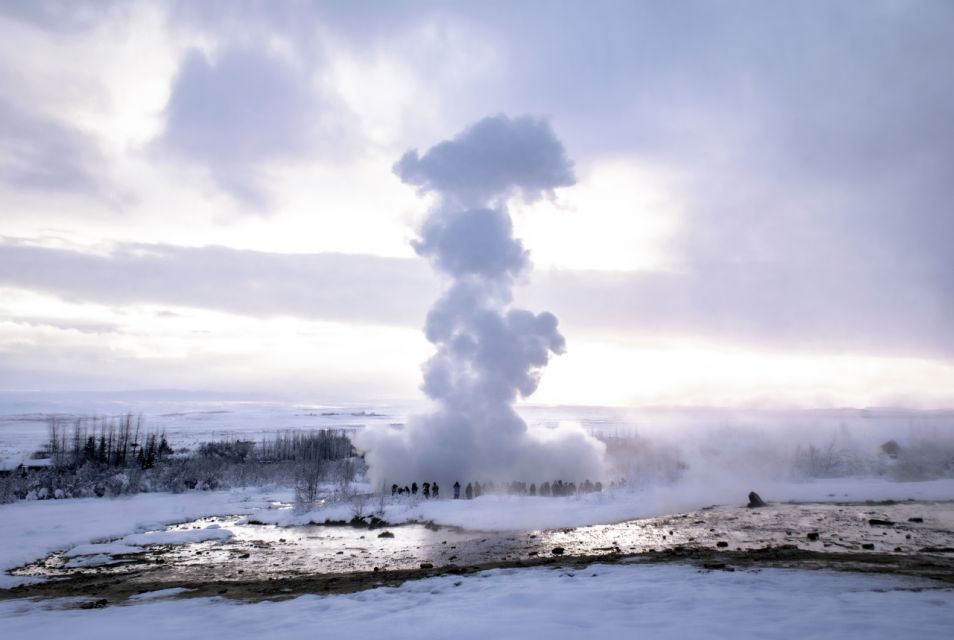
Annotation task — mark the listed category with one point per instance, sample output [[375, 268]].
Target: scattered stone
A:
[[95, 604], [813, 536], [868, 545], [877, 522], [755, 501], [427, 565], [385, 534], [915, 519], [557, 551], [722, 543]]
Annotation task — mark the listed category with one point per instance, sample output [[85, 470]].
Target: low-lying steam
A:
[[489, 353]]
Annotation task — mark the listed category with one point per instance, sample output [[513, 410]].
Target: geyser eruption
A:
[[488, 352]]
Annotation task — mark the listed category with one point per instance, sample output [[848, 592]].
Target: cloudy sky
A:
[[201, 195]]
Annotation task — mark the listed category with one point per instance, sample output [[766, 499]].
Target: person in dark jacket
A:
[[427, 490], [413, 488], [456, 491], [435, 490], [469, 491], [394, 489]]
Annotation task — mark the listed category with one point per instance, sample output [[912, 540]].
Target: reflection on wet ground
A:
[[292, 559]]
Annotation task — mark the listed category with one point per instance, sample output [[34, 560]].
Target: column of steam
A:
[[488, 352]]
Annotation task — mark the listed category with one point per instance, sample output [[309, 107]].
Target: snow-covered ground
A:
[[650, 601], [31, 530], [34, 529], [503, 512]]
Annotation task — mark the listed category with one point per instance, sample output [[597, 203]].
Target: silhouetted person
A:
[[427, 490], [407, 490], [394, 489], [435, 489], [477, 490], [413, 488], [456, 491], [469, 491], [533, 489]]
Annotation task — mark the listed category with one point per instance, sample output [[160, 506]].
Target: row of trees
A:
[[115, 456], [109, 442]]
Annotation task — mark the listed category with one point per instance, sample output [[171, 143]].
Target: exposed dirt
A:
[[268, 562]]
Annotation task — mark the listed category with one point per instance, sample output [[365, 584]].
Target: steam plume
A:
[[488, 352]]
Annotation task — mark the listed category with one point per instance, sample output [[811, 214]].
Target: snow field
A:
[[646, 601]]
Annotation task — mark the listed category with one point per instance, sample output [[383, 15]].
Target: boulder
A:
[[755, 501]]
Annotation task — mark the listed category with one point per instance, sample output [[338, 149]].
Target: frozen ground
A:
[[654, 601], [502, 512], [32, 529]]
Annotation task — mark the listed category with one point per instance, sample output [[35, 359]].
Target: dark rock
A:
[[427, 565], [557, 551], [868, 545], [755, 501], [813, 535], [915, 519], [722, 543], [385, 534], [877, 522], [95, 604]]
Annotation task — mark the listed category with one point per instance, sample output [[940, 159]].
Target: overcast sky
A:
[[202, 195]]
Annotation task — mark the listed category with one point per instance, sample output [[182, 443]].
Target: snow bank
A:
[[178, 537], [133, 543], [600, 601]]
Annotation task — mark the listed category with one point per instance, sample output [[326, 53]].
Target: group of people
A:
[[475, 489], [428, 490]]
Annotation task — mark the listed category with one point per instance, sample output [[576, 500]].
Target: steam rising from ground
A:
[[488, 352]]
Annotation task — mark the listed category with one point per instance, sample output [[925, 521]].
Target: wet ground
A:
[[267, 561]]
